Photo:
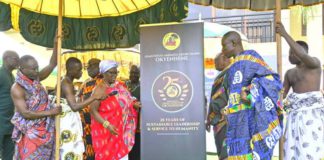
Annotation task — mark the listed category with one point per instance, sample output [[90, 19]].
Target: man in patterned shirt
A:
[[85, 92]]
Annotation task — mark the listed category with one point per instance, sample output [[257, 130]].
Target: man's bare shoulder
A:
[[317, 60], [66, 82], [67, 87], [17, 90], [289, 75], [291, 71], [315, 64]]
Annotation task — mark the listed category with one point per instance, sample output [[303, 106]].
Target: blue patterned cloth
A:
[[253, 130]]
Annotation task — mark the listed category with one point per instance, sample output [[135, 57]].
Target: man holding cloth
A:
[[253, 109]]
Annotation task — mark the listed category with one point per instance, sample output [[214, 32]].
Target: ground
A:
[[214, 157]]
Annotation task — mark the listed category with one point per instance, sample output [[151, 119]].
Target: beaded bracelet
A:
[[105, 124]]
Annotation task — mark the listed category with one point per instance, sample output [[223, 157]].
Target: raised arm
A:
[[45, 72], [298, 50], [18, 97]]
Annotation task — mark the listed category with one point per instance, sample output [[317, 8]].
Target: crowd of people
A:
[[101, 121]]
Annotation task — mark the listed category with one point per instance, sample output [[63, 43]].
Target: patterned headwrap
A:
[[105, 65]]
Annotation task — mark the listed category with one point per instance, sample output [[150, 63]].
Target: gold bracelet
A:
[[105, 124]]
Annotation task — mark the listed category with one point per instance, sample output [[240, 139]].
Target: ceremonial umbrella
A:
[[261, 5], [89, 24]]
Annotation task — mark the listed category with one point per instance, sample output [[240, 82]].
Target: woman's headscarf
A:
[[105, 65]]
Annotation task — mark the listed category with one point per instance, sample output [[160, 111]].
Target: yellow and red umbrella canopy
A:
[[84, 8], [88, 24]]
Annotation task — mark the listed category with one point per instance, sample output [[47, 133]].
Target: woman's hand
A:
[[137, 105], [112, 129]]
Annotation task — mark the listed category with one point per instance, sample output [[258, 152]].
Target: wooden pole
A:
[[279, 63], [58, 86]]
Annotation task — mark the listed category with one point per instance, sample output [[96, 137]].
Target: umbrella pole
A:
[[58, 83], [279, 63]]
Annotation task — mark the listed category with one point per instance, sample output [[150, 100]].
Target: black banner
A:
[[172, 92]]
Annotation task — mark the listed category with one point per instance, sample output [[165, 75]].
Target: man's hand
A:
[[56, 110], [244, 95], [99, 93], [280, 29]]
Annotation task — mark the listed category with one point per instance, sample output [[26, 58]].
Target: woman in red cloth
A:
[[113, 120]]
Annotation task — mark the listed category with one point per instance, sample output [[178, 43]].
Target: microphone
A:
[[113, 93]]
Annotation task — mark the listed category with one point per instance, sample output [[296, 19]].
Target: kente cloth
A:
[[135, 153], [118, 111], [71, 132], [253, 129], [85, 92], [304, 133], [135, 92], [218, 101], [34, 138]]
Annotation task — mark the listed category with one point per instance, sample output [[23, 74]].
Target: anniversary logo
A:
[[172, 91], [171, 41]]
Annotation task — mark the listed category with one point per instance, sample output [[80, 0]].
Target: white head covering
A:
[[105, 65]]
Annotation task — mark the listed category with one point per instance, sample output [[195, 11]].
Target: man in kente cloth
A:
[[84, 93], [253, 110], [34, 130]]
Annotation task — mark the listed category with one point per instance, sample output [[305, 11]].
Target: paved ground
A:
[[214, 157]]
